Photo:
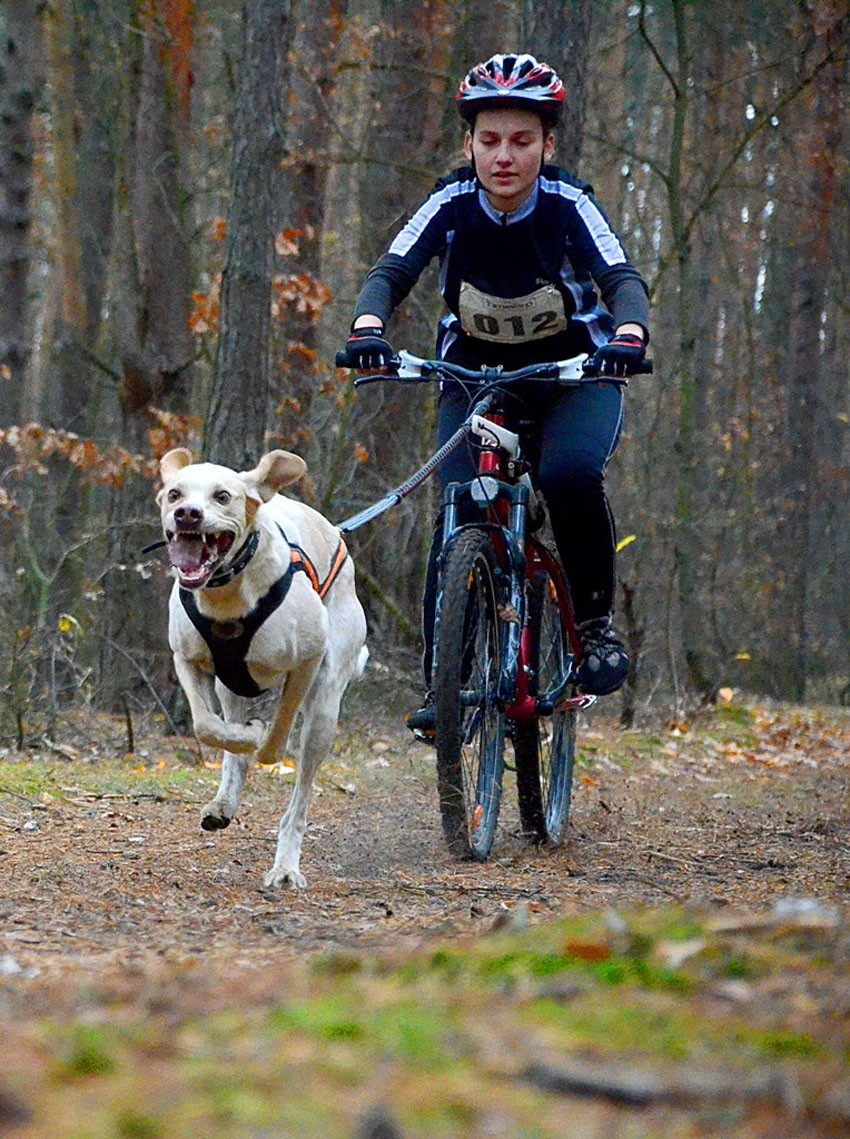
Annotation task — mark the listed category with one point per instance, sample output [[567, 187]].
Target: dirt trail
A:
[[109, 886], [726, 818]]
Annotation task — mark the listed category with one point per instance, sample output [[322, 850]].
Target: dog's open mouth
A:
[[195, 555]]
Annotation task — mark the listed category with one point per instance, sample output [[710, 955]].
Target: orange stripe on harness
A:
[[300, 561]]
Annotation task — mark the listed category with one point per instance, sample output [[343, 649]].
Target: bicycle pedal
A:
[[424, 737]]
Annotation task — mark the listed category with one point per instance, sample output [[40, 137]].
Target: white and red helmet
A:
[[512, 81]]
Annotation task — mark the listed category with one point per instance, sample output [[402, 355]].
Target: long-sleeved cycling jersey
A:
[[520, 287]]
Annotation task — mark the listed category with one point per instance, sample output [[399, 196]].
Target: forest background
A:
[[190, 194]]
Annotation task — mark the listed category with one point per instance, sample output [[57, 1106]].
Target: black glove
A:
[[367, 350], [621, 356]]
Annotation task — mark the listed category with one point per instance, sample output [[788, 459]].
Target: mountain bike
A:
[[506, 650]]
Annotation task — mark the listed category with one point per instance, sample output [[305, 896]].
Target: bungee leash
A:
[[395, 496]]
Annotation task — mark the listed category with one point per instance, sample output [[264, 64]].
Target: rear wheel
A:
[[470, 735], [544, 746]]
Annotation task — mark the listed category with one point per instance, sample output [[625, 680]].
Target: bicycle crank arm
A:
[[576, 703]]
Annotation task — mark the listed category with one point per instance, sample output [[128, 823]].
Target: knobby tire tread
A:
[[470, 740], [544, 747]]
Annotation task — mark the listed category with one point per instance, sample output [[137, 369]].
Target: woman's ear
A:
[[467, 146], [548, 147]]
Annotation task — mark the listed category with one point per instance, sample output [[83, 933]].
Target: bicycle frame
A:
[[506, 503], [505, 645], [507, 498]]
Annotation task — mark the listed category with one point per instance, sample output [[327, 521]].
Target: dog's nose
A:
[[188, 516]]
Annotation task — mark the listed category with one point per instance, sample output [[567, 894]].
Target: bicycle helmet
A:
[[512, 81]]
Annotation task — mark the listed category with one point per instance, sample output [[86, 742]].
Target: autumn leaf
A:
[[297, 348], [68, 623], [285, 243], [301, 290], [8, 504], [173, 431], [206, 310], [301, 436], [590, 951]]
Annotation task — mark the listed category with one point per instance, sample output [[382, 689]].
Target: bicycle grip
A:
[[341, 359], [644, 368]]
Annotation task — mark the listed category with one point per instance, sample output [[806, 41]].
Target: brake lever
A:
[[375, 379]]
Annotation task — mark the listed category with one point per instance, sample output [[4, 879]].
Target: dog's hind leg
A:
[[219, 812], [295, 688], [320, 715]]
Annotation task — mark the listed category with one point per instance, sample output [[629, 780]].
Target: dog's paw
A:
[[214, 819], [268, 757], [279, 877], [238, 739]]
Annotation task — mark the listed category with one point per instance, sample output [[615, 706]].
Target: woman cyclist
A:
[[523, 248]]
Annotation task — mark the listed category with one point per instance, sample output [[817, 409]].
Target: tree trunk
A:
[[162, 221], [295, 363], [559, 33], [19, 83], [239, 414], [689, 541], [819, 149], [68, 397]]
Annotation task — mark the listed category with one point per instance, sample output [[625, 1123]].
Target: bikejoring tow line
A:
[[395, 496]]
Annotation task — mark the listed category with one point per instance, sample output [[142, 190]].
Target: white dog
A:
[[243, 618]]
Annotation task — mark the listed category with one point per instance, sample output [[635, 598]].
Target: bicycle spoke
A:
[[544, 746], [470, 736]]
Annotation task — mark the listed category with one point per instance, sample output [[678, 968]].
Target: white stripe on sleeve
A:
[[407, 238]]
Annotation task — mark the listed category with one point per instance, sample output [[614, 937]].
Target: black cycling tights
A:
[[576, 433]]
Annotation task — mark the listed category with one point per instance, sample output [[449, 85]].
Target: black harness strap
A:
[[229, 641]]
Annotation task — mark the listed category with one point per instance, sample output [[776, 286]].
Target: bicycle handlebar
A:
[[407, 368]]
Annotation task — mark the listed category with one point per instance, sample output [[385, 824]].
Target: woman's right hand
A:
[[366, 349]]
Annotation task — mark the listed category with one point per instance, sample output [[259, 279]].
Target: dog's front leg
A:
[[210, 729], [220, 811]]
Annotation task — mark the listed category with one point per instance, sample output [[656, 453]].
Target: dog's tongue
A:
[[186, 553]]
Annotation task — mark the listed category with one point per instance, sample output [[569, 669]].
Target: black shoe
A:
[[423, 722], [604, 663]]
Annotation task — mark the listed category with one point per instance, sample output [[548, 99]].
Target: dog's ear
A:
[[174, 461], [274, 471]]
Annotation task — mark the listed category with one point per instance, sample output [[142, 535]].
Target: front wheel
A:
[[470, 732], [544, 746]]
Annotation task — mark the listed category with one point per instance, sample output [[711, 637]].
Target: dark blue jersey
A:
[[520, 287]]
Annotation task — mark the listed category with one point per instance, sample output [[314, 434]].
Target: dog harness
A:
[[229, 641]]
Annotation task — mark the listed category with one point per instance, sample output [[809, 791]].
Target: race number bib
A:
[[511, 320]]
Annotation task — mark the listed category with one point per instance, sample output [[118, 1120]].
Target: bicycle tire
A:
[[544, 747], [470, 727]]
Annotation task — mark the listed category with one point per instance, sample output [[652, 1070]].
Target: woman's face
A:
[[507, 148]]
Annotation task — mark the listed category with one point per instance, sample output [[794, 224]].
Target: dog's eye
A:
[[222, 497], [173, 494]]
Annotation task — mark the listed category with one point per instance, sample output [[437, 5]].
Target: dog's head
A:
[[208, 510]]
